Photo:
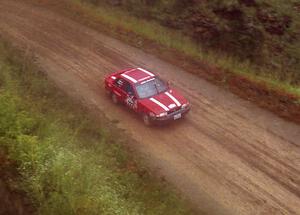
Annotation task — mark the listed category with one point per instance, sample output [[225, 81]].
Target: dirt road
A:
[[227, 156]]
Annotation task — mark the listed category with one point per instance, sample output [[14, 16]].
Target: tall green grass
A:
[[116, 19], [68, 162]]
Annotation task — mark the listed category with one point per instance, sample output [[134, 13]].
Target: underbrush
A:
[[149, 30], [69, 162]]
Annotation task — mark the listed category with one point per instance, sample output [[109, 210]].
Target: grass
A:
[[116, 19], [69, 162]]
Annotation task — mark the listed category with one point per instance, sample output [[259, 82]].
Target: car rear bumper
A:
[[177, 115]]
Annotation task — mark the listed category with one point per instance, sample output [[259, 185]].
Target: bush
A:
[[69, 164], [264, 33]]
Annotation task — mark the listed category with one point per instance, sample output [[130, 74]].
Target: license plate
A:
[[177, 116]]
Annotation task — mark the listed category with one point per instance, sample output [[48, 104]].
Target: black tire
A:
[[108, 92], [147, 120], [114, 98]]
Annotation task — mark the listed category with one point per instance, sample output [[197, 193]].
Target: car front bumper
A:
[[172, 116]]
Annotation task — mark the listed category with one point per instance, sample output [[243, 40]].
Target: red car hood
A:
[[164, 102]]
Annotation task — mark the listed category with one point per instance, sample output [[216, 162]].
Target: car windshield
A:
[[150, 88]]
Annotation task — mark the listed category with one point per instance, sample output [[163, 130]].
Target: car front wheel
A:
[[146, 119], [114, 98]]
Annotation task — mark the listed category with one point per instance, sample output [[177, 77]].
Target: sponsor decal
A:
[[131, 102]]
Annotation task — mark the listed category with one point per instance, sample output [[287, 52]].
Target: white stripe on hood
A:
[[173, 98], [159, 104]]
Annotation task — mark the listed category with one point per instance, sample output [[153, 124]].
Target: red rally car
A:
[[146, 94]]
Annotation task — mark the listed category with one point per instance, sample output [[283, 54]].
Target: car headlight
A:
[[185, 105], [162, 114], [151, 114]]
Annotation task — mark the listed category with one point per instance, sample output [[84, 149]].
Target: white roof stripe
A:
[[142, 79], [147, 81], [145, 71], [129, 71], [173, 98], [159, 104], [129, 78]]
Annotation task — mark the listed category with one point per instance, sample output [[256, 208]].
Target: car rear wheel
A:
[[114, 98], [108, 92], [146, 120]]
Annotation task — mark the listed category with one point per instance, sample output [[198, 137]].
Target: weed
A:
[[68, 162], [117, 18]]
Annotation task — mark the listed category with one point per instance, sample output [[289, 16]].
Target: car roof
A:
[[137, 75]]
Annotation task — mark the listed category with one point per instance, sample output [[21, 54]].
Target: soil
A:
[[13, 201], [228, 156], [272, 98]]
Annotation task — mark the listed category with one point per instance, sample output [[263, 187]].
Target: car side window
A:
[[125, 85], [119, 82]]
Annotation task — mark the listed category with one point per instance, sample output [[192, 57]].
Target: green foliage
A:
[[264, 33], [115, 18], [69, 164]]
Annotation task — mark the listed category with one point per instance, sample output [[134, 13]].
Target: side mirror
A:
[[168, 83]]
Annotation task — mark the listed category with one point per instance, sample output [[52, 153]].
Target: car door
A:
[[119, 89], [131, 99], [125, 93]]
